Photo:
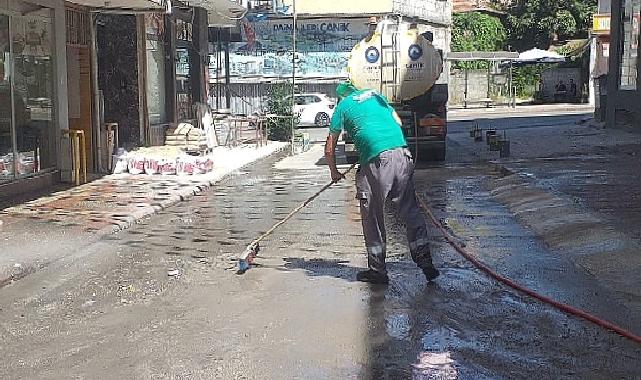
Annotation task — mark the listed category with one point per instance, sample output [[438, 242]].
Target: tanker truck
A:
[[398, 61]]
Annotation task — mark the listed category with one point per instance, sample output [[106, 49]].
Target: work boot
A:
[[372, 277], [430, 272], [423, 258]]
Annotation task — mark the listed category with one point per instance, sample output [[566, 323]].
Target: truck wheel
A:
[[322, 119]]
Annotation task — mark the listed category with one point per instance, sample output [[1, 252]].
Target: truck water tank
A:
[[396, 60]]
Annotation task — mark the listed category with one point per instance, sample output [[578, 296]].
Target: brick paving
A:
[[116, 201]]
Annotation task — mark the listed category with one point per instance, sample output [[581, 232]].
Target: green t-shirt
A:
[[368, 118]]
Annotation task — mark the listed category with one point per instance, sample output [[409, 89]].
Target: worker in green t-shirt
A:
[[386, 171]]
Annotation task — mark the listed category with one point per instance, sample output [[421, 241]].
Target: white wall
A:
[[326, 7], [435, 11]]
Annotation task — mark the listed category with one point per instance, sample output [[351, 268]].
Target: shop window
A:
[[631, 12], [27, 118], [33, 94], [183, 85]]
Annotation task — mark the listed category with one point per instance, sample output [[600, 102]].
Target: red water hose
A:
[[559, 305]]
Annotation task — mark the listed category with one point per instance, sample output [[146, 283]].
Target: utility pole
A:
[[293, 125]]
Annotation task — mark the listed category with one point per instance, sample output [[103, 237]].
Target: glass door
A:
[[6, 115], [33, 88]]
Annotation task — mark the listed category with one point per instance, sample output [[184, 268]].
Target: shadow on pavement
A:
[[515, 121], [18, 199], [322, 267], [401, 327], [399, 317]]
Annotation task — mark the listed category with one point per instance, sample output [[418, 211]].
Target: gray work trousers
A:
[[390, 175]]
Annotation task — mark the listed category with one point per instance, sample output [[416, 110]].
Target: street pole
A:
[[293, 70]]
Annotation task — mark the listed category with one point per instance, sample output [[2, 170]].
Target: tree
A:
[[280, 104], [474, 31], [538, 23]]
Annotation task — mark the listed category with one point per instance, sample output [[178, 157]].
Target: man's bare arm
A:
[[397, 118], [330, 148]]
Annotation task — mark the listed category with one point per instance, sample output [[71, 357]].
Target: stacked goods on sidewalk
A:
[[301, 142], [164, 160], [188, 137], [188, 149]]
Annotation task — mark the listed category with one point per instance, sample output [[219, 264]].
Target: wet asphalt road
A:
[[162, 300]]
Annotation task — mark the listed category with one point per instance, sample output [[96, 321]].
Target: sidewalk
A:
[[34, 233], [543, 138], [462, 114], [578, 188]]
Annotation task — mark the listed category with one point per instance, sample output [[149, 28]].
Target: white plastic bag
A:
[[167, 166], [185, 165], [120, 164], [136, 165], [152, 166]]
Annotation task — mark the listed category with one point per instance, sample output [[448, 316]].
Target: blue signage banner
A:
[[323, 47]]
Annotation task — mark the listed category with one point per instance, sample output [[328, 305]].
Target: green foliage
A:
[[576, 52], [525, 79], [280, 104], [476, 31], [537, 23]]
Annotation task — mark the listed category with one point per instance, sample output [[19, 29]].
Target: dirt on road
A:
[[162, 299]]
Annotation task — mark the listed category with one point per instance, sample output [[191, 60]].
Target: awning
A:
[[534, 56], [220, 13], [482, 56], [126, 5]]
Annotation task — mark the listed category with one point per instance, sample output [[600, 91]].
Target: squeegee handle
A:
[[297, 209]]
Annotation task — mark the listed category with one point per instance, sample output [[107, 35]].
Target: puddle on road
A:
[[398, 326], [434, 366], [487, 330]]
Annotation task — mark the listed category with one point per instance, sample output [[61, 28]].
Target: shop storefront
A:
[[28, 117]]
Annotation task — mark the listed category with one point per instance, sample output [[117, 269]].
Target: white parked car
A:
[[314, 109]]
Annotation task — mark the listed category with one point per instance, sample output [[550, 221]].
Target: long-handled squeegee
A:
[[250, 253]]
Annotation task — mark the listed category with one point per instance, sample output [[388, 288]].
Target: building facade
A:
[[151, 71], [80, 64], [623, 100], [326, 32]]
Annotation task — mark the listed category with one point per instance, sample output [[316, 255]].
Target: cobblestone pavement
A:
[[71, 216], [119, 200], [162, 300]]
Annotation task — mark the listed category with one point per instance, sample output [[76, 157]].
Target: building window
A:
[[27, 118], [631, 11]]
